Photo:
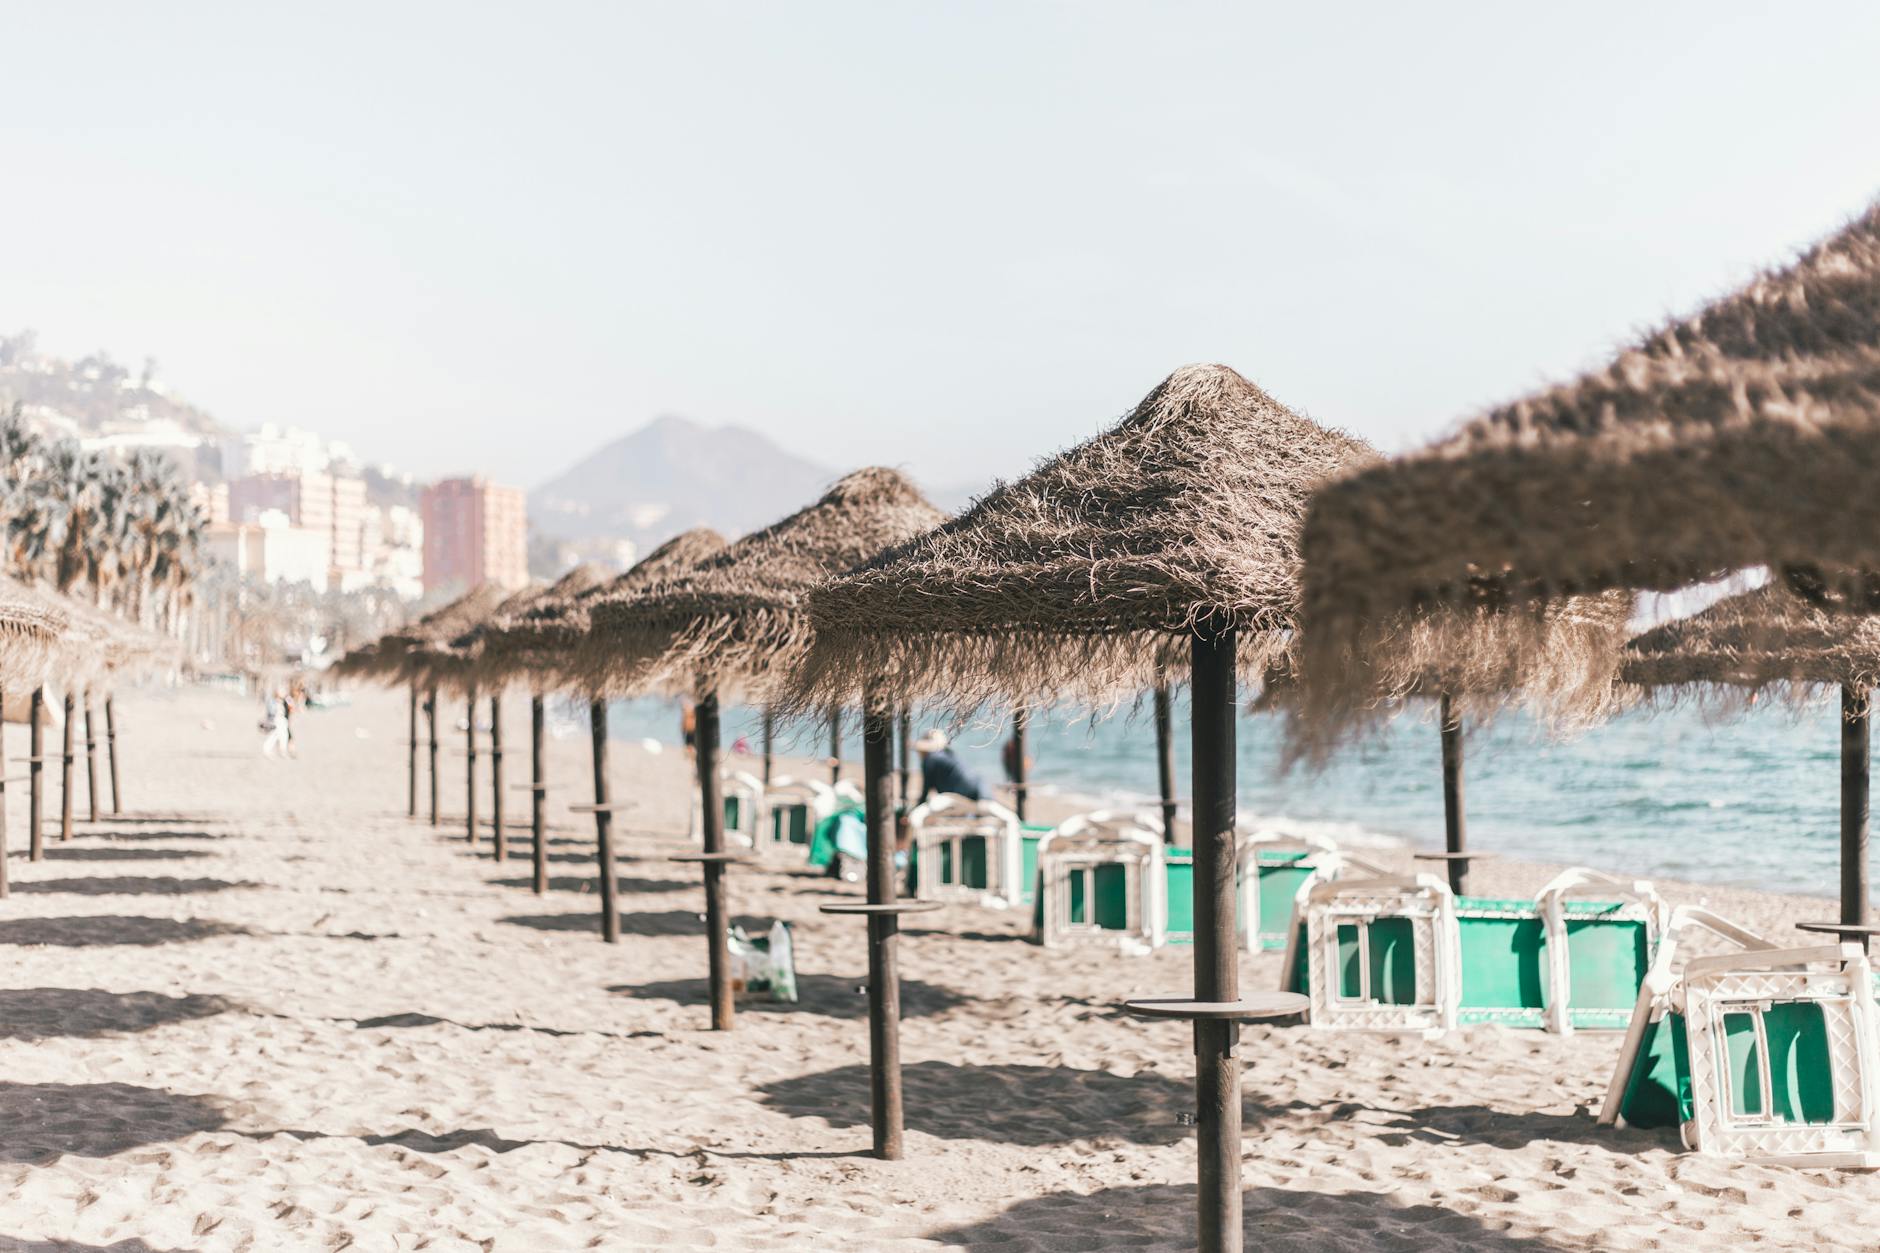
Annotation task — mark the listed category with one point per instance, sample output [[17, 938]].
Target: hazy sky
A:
[[950, 236]]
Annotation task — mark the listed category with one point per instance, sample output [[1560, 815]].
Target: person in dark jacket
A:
[[941, 771]]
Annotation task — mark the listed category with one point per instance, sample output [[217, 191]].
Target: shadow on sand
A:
[[127, 885], [120, 837], [662, 922], [1163, 1216], [19, 1244], [590, 885], [828, 995], [84, 1013], [104, 852], [50, 1120], [1010, 1104], [86, 930]]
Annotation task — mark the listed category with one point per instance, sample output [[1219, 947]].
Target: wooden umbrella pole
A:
[[1855, 760], [5, 890], [66, 760], [538, 793], [36, 777], [91, 761], [470, 772], [411, 750], [496, 775], [904, 744], [712, 802], [111, 759], [1455, 825], [835, 748], [1217, 956], [603, 822], [770, 729], [430, 710], [1019, 720], [1165, 759], [884, 986]]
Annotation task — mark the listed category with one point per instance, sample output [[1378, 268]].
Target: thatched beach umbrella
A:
[[492, 674], [1176, 529], [543, 642], [427, 658], [1747, 434], [737, 625], [30, 631], [1770, 641]]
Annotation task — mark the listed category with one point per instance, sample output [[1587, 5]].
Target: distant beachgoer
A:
[[742, 746], [941, 771], [274, 725], [688, 724], [1009, 757]]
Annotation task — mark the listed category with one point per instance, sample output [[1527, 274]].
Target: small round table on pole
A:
[[1458, 864], [603, 811], [884, 1014], [1859, 932]]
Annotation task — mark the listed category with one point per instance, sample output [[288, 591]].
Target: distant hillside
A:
[[91, 395], [673, 474]]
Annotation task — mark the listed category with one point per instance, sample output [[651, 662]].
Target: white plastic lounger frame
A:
[[1638, 903], [940, 827], [783, 800], [1834, 979], [1338, 912], [751, 811], [1257, 931], [1070, 861]]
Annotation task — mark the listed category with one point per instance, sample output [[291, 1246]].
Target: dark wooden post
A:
[[111, 757], [5, 764], [470, 770], [903, 746], [36, 776], [770, 729], [1855, 758], [1019, 718], [1217, 956], [538, 791], [603, 822], [65, 767], [411, 750], [1165, 759], [835, 747], [711, 798], [430, 709], [1455, 833], [496, 775], [884, 985], [91, 761]]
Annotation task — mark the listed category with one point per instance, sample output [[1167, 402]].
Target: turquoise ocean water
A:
[[1752, 801]]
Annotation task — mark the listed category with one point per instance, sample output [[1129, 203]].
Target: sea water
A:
[[1752, 801]]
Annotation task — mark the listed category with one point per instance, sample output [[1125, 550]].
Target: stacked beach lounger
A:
[[1403, 952]]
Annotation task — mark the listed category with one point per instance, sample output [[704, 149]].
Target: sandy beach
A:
[[266, 1010]]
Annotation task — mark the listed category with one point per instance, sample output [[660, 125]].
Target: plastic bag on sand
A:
[[765, 966]]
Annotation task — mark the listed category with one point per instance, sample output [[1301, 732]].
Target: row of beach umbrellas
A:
[[1217, 535]]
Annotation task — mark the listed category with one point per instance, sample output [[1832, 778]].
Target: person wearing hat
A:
[[941, 771]]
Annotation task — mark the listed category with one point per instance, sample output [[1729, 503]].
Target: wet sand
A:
[[268, 1011]]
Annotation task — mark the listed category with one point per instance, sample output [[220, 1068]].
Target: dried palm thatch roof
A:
[[1747, 434], [550, 640], [1743, 645], [1081, 579], [737, 621], [32, 633], [385, 658], [450, 661], [478, 653]]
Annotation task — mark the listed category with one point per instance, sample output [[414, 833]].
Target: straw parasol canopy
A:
[[1080, 578], [1747, 434], [33, 632], [738, 620], [476, 650], [1754, 642], [546, 638], [386, 658]]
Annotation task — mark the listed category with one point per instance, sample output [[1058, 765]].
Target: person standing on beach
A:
[[274, 724], [941, 771]]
